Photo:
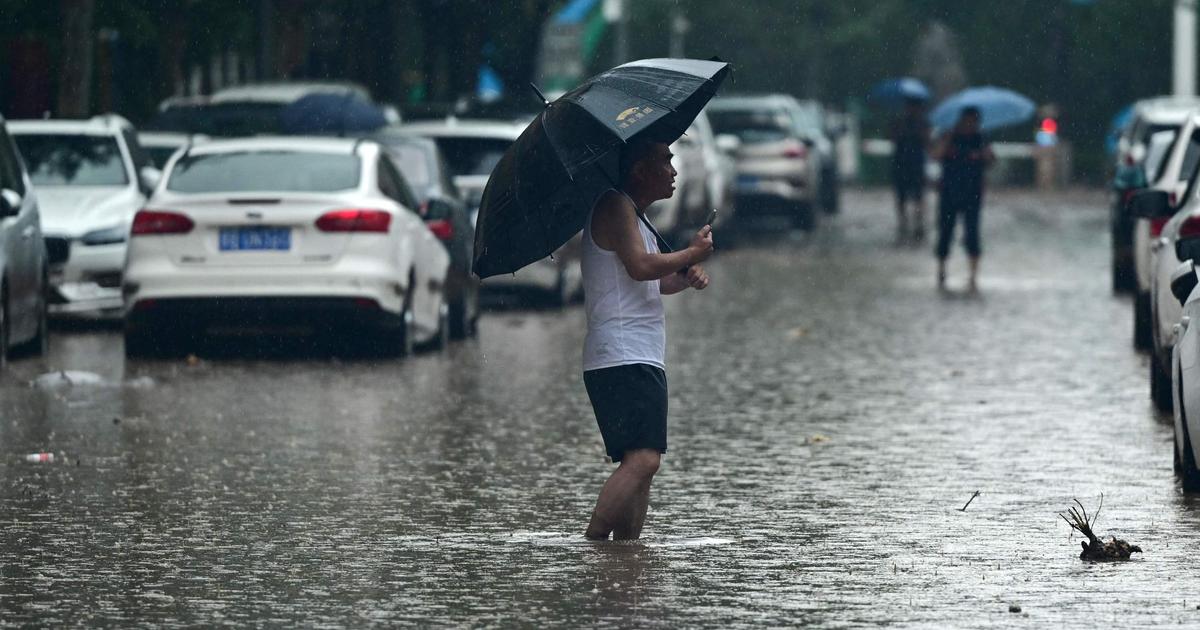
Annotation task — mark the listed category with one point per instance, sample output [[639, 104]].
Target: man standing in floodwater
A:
[[624, 354], [910, 135], [964, 153]]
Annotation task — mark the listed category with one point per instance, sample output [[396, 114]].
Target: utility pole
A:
[[1184, 59], [616, 12], [679, 28]]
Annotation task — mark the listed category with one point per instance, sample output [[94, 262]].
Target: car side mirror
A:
[[1183, 280], [10, 203], [1150, 204], [728, 143], [148, 177]]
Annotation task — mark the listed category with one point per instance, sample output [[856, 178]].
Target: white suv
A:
[[92, 176]]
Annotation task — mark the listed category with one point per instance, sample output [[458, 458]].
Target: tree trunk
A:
[[78, 46]]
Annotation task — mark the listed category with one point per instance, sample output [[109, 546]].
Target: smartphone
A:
[[712, 216]]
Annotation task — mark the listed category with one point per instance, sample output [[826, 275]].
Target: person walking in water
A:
[[910, 138], [624, 277], [964, 154]]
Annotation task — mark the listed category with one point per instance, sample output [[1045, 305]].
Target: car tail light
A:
[[355, 220], [796, 151], [1190, 228], [1156, 226], [153, 222], [441, 228], [366, 304]]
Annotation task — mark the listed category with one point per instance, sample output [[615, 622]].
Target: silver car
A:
[[22, 257]]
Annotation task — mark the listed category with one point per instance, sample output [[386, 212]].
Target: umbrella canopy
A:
[[540, 193], [998, 107], [893, 93], [331, 113]]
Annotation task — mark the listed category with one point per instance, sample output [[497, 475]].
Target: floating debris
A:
[[964, 508], [40, 458], [1013, 608], [797, 333], [816, 439], [1094, 548]]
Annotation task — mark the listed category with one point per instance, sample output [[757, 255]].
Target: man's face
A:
[[653, 174]]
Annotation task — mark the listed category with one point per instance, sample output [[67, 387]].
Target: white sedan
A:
[[272, 232], [23, 270], [1185, 372]]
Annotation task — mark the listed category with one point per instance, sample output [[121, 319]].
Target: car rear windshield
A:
[[752, 126], [290, 171], [72, 160], [473, 156]]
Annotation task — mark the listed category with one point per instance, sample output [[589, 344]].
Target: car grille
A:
[[58, 249]]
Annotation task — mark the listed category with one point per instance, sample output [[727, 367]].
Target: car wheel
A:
[[40, 345], [402, 338], [830, 197], [1141, 321], [1185, 464], [803, 216], [4, 325], [1160, 385], [441, 340], [463, 313]]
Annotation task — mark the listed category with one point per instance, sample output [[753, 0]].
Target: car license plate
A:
[[255, 239], [748, 181]]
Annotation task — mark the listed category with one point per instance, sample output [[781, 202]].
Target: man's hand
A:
[[697, 278], [701, 246]]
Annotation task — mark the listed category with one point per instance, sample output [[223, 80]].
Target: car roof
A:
[[348, 146], [103, 125], [285, 91], [1166, 110], [742, 101], [168, 138], [465, 128]]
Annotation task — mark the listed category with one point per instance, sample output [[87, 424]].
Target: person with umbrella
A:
[[910, 137], [964, 153], [594, 159]]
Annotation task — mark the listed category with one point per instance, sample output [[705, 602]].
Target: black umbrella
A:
[[540, 193]]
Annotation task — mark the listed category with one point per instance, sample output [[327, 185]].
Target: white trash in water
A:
[[40, 458]]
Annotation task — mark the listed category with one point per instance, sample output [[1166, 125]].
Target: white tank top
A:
[[625, 317]]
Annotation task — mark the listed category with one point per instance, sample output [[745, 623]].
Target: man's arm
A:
[[615, 228], [695, 278]]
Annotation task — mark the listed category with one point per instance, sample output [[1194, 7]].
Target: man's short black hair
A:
[[971, 110], [632, 153]]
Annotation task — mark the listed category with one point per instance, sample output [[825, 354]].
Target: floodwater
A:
[[831, 413]]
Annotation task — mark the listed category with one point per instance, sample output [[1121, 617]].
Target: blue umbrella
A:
[[893, 93], [331, 113], [998, 107]]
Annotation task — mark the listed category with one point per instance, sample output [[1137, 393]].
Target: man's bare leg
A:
[[621, 508]]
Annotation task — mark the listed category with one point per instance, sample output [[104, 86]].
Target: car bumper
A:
[[235, 314], [381, 285], [89, 280]]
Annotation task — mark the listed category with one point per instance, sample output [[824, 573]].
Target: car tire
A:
[[830, 194], [1160, 385], [803, 216], [1122, 271], [39, 346], [441, 340], [4, 327], [464, 312], [148, 339], [402, 337], [1185, 464], [1142, 339]]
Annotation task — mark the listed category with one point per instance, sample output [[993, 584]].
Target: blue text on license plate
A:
[[255, 238], [747, 180]]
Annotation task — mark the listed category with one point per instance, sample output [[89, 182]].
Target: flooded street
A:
[[831, 413]]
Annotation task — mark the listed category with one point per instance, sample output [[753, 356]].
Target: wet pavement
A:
[[831, 413]]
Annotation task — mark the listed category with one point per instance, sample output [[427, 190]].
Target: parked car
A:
[[421, 163], [1185, 377], [1149, 117], [91, 177], [1178, 238], [778, 170], [24, 273], [281, 231], [472, 148], [810, 119], [704, 181], [161, 145], [1169, 174]]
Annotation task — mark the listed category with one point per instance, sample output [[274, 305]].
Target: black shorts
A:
[[630, 402]]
